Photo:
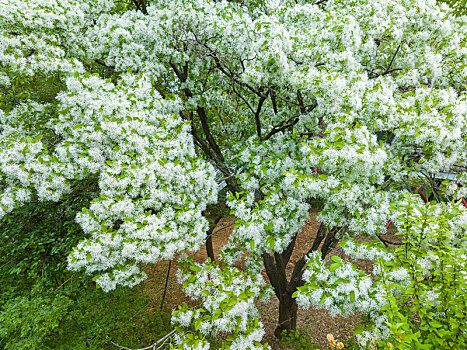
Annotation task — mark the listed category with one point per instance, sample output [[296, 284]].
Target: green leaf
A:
[[358, 330], [195, 268], [336, 259]]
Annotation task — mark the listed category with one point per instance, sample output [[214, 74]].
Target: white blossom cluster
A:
[[356, 99], [263, 47], [227, 299], [432, 121], [342, 289], [351, 161], [270, 212], [27, 167], [364, 250], [152, 186], [43, 36]]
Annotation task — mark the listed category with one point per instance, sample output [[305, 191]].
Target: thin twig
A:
[[387, 184], [163, 339], [64, 282], [222, 228], [166, 282], [392, 60], [386, 242], [225, 178]]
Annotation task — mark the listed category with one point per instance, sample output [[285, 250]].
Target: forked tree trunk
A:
[[283, 288]]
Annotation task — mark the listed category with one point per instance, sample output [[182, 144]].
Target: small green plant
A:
[[302, 340], [297, 340]]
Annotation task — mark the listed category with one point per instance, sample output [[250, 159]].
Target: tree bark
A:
[[209, 247], [287, 315], [276, 271], [330, 242]]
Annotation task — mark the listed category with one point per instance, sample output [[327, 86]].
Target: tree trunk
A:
[[283, 289], [276, 270], [209, 248], [287, 315]]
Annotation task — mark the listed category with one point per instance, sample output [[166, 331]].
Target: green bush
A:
[[431, 311], [85, 318], [36, 238]]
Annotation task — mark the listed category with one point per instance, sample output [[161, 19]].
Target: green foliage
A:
[[298, 340], [302, 340], [429, 312], [27, 321], [82, 318], [459, 6], [36, 239], [38, 87]]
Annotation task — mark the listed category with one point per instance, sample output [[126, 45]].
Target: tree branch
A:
[[258, 111], [211, 148], [280, 268], [388, 69], [291, 122], [296, 278], [153, 346], [271, 271], [330, 242], [287, 253]]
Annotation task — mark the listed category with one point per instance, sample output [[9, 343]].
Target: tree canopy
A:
[[358, 104]]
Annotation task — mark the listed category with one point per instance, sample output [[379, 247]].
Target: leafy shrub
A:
[[82, 318], [300, 339], [36, 238], [27, 321], [429, 312]]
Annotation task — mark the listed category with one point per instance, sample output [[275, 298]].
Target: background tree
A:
[[353, 103]]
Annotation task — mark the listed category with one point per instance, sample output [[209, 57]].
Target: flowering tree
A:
[[353, 103]]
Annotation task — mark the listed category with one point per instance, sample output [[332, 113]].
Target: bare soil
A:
[[318, 322]]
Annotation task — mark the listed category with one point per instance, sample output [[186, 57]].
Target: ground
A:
[[318, 322]]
